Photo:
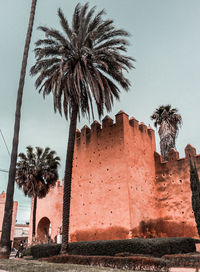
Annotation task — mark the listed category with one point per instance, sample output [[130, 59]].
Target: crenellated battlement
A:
[[122, 125], [173, 156]]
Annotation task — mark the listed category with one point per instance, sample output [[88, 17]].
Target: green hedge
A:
[[156, 247], [45, 250], [27, 251]]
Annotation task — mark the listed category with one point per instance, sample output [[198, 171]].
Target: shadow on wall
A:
[[111, 233], [164, 228]]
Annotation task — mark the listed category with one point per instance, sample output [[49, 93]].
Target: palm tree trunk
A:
[[7, 220], [34, 217], [67, 181]]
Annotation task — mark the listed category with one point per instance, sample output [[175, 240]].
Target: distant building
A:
[[2, 206], [20, 233]]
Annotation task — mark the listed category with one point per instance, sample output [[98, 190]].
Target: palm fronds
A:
[[37, 171], [169, 121], [83, 63]]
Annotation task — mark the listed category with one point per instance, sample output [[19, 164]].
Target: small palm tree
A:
[[81, 66], [36, 172], [169, 121]]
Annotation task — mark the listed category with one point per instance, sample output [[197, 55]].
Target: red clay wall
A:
[[100, 200], [50, 207], [110, 165], [2, 206], [172, 180], [121, 188], [139, 148]]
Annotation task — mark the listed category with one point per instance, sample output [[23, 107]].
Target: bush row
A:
[[183, 260], [138, 263], [156, 247]]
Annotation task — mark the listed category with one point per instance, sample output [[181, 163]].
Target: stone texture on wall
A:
[[2, 206], [122, 188]]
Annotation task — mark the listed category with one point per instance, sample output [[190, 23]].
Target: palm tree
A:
[[80, 66], [36, 172], [7, 220], [169, 121]]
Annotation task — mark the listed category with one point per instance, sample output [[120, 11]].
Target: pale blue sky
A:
[[165, 42]]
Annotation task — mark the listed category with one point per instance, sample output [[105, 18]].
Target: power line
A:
[[3, 170], [5, 142]]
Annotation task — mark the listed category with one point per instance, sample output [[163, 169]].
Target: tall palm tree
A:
[[80, 66], [169, 122], [7, 220], [36, 172]]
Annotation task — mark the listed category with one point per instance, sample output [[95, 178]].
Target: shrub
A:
[[45, 250], [27, 252], [128, 263], [156, 247]]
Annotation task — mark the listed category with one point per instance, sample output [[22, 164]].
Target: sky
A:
[[165, 41]]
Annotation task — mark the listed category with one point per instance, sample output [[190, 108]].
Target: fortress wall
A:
[[51, 208], [140, 148], [100, 200], [113, 188], [122, 188], [174, 193], [14, 215]]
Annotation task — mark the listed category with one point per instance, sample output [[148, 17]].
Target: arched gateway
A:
[[44, 230]]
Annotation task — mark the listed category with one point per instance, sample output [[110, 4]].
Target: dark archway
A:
[[44, 230]]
